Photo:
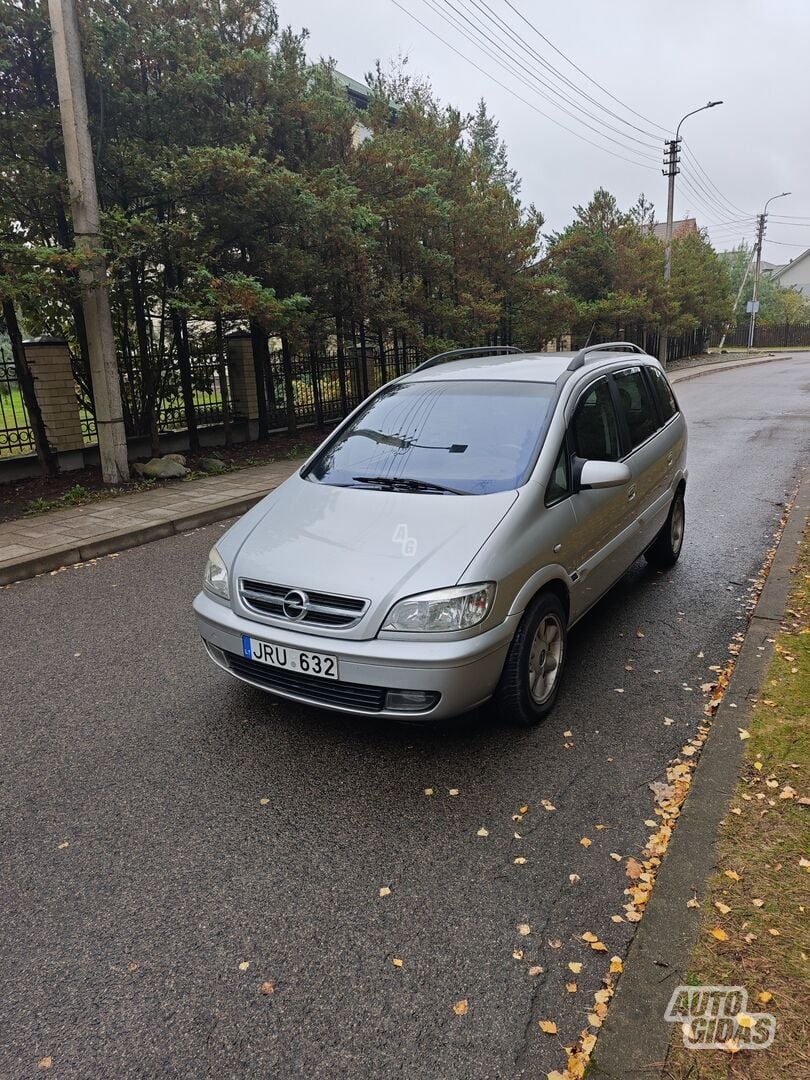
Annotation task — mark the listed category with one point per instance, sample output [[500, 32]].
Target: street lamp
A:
[[755, 295], [671, 170]]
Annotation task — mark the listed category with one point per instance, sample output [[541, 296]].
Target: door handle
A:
[[631, 494]]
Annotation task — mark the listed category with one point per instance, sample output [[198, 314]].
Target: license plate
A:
[[308, 663]]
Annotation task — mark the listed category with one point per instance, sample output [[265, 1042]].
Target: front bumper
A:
[[463, 673]]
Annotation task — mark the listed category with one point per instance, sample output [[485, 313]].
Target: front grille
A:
[[322, 609], [343, 695]]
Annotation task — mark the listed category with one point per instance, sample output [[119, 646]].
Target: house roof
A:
[[359, 94], [793, 262], [679, 228]]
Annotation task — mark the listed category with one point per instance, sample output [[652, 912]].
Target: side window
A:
[[594, 428], [663, 393], [558, 482], [636, 405]]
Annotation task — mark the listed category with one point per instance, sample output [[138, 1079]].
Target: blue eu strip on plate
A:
[[246, 647]]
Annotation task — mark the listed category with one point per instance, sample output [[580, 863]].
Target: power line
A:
[[515, 94], [694, 183], [584, 73], [690, 153], [510, 63], [483, 7]]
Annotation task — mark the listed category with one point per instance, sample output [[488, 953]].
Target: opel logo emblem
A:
[[295, 604]]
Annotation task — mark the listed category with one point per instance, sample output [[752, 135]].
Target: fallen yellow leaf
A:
[[396, 962], [453, 791], [517, 954], [733, 875], [615, 856], [586, 842], [588, 936], [46, 1062], [764, 997], [245, 964], [428, 790], [520, 860], [548, 1026], [633, 869], [721, 935], [547, 805], [523, 810], [483, 832], [524, 929], [535, 969], [575, 966], [385, 891], [745, 1020], [599, 946], [616, 965], [268, 988], [460, 1008], [571, 987], [573, 878], [724, 909], [264, 802]]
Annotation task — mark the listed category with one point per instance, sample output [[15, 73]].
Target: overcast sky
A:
[[658, 58]]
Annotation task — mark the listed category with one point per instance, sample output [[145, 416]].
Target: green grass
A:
[[765, 835]]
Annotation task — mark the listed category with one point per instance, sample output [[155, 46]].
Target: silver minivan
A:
[[436, 549]]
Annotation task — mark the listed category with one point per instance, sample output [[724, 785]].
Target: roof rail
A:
[[608, 346], [455, 354]]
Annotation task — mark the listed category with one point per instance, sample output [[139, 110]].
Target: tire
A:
[[666, 547], [540, 640]]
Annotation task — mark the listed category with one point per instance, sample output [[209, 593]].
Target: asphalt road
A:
[[140, 867]]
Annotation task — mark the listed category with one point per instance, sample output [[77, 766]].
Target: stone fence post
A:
[[49, 361], [242, 375]]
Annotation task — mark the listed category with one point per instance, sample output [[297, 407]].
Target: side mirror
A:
[[603, 474]]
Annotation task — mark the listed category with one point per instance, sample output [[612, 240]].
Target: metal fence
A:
[[678, 347], [16, 434], [326, 386], [766, 335]]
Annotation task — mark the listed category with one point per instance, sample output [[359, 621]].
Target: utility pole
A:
[[748, 266], [755, 296], [112, 442], [671, 158], [671, 170]]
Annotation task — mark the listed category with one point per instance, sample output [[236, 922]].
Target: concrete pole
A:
[[112, 442], [755, 294], [760, 233], [672, 168], [673, 150]]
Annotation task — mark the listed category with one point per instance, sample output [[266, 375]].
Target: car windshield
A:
[[461, 438]]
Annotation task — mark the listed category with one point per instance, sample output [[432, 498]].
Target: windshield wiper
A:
[[407, 483]]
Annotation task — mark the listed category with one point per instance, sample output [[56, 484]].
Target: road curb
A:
[[45, 561], [685, 374], [633, 1043]]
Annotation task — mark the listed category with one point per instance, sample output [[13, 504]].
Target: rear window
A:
[[663, 393], [472, 438]]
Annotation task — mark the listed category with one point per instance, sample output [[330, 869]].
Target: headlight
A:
[[216, 575], [445, 609]]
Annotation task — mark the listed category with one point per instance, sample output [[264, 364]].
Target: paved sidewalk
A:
[[35, 545]]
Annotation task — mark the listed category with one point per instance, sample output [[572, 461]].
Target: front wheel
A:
[[666, 547], [531, 675]]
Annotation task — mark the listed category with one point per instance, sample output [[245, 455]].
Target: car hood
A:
[[378, 545]]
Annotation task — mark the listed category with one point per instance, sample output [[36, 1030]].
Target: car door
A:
[[644, 455], [602, 515]]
